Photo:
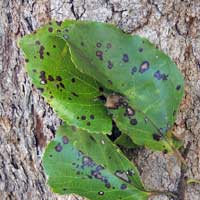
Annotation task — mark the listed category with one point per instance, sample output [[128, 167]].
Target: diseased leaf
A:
[[131, 66], [72, 94], [91, 166]]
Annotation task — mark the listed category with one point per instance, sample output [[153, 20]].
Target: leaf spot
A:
[[74, 94], [133, 121], [109, 45], [110, 65], [160, 76], [73, 80], [92, 117], [88, 123], [133, 70], [101, 193], [125, 58], [65, 140], [50, 78], [130, 111], [62, 85], [59, 23], [178, 87], [58, 147], [50, 29], [123, 186], [58, 78], [98, 44], [37, 42], [83, 117], [140, 50], [144, 67], [41, 52], [157, 137], [101, 89], [99, 54]]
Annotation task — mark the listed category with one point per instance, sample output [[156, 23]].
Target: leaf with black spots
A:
[[72, 94], [91, 166], [147, 78]]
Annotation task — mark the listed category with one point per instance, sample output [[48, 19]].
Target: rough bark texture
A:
[[27, 123]]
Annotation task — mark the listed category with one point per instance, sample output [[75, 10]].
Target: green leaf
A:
[[131, 66], [125, 141], [73, 95], [90, 165]]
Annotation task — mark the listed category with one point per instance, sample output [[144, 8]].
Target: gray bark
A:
[[27, 123]]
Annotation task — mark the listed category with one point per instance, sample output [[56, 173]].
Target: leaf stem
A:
[[167, 193]]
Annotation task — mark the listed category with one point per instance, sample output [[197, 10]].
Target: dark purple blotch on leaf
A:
[[123, 186], [133, 122], [58, 147], [144, 67], [83, 117], [58, 78], [50, 78], [178, 87], [160, 76], [125, 58], [157, 137], [59, 23], [41, 52], [65, 140], [133, 70], [92, 117], [50, 29], [110, 65], [43, 77], [140, 49], [99, 54]]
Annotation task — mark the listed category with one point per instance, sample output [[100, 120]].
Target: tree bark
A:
[[27, 123]]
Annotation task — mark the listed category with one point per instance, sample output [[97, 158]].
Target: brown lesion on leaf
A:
[[113, 101]]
